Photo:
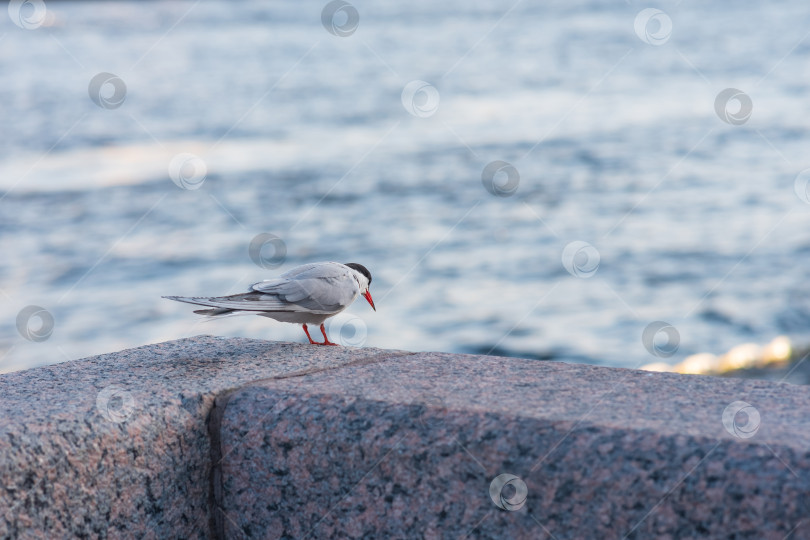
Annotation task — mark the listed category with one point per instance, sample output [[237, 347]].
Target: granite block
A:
[[235, 438], [411, 446], [117, 446]]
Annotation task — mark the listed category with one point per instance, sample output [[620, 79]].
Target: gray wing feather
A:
[[321, 295], [316, 288], [248, 302]]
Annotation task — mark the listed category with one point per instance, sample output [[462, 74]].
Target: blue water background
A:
[[305, 136]]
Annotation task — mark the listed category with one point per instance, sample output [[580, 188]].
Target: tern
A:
[[307, 294]]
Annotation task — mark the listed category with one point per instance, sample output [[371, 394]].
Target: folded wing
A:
[[313, 294], [318, 288]]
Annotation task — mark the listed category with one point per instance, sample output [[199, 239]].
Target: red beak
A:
[[367, 296]]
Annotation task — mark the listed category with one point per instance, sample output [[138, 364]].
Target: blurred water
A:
[[305, 136]]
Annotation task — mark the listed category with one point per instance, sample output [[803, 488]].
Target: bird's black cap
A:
[[360, 268]]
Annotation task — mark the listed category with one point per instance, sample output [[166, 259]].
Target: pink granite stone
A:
[[234, 438], [133, 460], [407, 446]]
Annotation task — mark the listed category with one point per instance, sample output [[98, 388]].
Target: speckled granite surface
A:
[[409, 446], [210, 437], [117, 445]]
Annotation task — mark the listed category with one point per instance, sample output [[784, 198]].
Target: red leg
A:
[[310, 337], [325, 339]]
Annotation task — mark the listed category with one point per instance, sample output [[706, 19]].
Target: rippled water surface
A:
[[303, 134]]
